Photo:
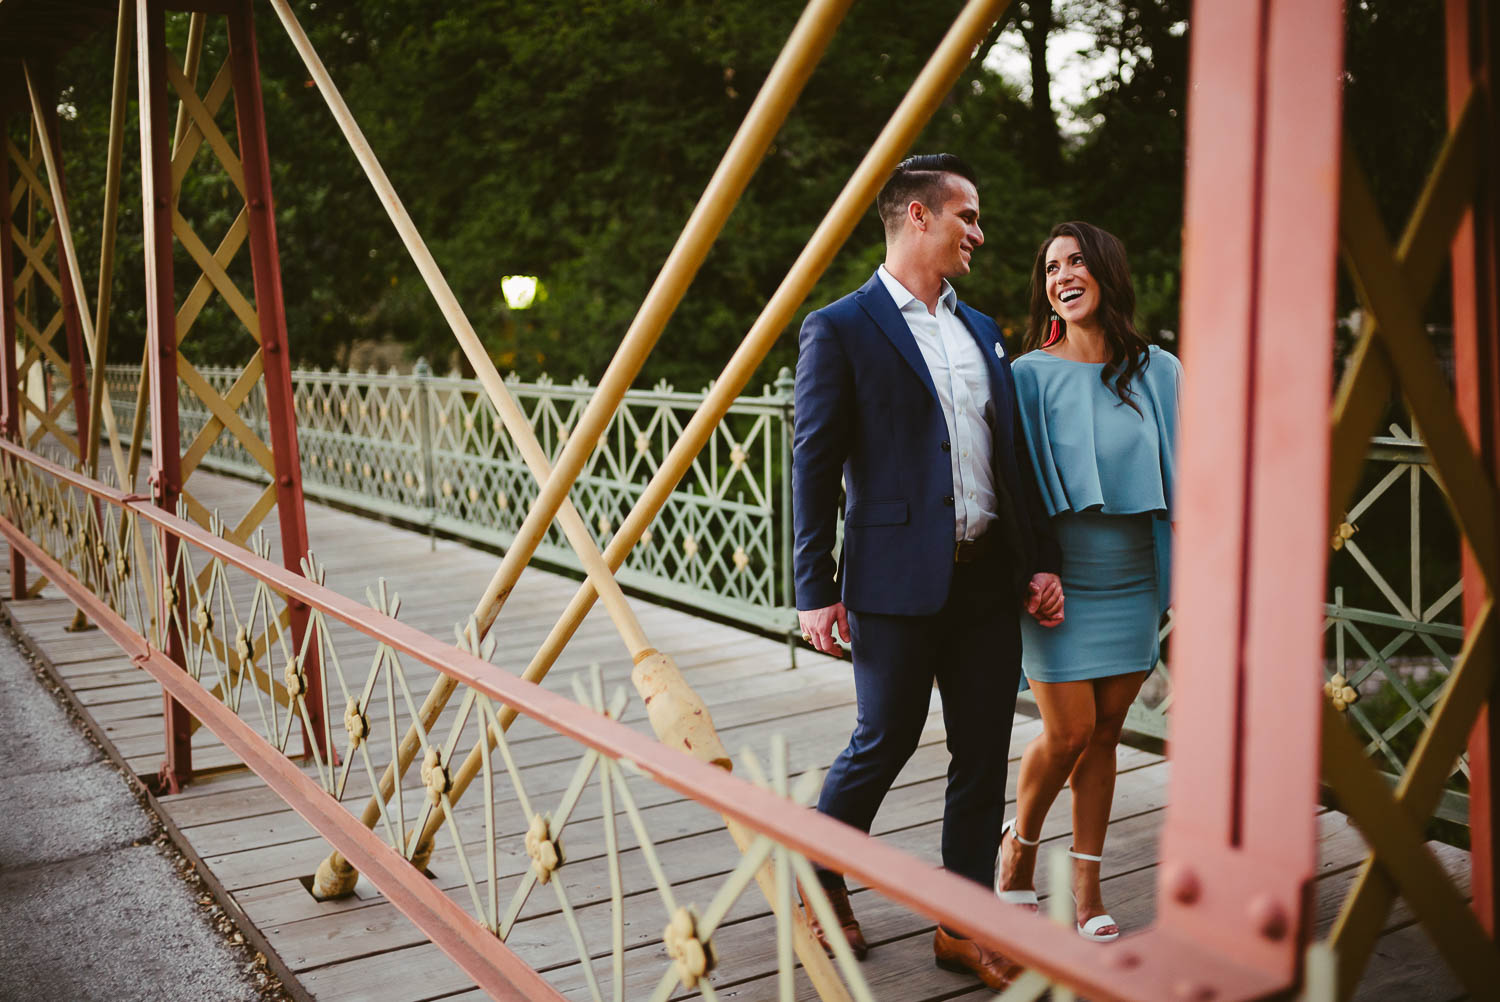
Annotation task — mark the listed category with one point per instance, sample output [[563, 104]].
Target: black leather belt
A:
[[966, 551]]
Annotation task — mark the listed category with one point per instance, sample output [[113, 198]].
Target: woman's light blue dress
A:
[[1106, 478]]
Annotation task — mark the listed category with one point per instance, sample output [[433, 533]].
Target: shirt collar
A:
[[904, 298]]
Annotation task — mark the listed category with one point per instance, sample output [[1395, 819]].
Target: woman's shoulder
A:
[[1033, 360], [1164, 361]]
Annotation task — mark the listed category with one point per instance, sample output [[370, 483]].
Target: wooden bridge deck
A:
[[260, 853]]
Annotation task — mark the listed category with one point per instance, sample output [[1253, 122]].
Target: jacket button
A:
[[947, 447], [948, 500]]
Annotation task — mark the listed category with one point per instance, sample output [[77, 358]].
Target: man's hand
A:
[[817, 627], [1044, 599]]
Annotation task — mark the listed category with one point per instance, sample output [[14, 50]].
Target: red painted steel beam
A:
[[265, 262], [161, 343], [492, 964], [1260, 255], [1471, 48], [10, 385], [72, 322], [1148, 967]]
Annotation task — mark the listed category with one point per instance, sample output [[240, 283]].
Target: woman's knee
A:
[[1107, 730], [1066, 740]]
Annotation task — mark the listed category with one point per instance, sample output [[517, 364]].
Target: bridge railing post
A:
[[422, 374], [785, 385]]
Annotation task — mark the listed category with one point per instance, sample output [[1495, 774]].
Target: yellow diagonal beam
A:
[[255, 516], [48, 422], [203, 288], [42, 247], [35, 260], [209, 433], [197, 510], [1360, 923], [1402, 854], [22, 186], [1382, 285], [41, 343], [26, 167], [224, 414], [1362, 918], [222, 283], [203, 120], [192, 139], [1368, 378]]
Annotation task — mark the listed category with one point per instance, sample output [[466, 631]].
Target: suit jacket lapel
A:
[[877, 303], [986, 348]]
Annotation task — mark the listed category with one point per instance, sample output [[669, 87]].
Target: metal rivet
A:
[[1182, 884], [1269, 917], [286, 480]]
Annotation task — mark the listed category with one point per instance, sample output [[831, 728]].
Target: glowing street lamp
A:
[[519, 291]]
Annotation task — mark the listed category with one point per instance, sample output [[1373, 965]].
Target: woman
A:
[[1099, 409]]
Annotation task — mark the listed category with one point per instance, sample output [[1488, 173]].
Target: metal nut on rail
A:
[[692, 957], [434, 776], [546, 855], [356, 723], [296, 680]]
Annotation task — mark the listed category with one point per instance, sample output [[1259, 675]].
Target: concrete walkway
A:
[[95, 903]]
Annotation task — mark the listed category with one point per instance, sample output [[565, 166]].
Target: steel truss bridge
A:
[[246, 641]]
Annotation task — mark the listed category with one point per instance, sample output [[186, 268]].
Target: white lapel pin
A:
[[999, 351]]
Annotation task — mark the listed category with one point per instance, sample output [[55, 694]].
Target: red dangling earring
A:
[[1054, 332]]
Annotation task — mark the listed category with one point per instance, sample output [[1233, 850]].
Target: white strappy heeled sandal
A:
[[1090, 930], [1025, 898]]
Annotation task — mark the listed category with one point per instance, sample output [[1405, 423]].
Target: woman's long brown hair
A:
[[1105, 256]]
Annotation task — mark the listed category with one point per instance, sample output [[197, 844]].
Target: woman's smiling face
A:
[[1071, 289]]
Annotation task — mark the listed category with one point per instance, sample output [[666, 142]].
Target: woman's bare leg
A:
[[1093, 784], [1067, 710]]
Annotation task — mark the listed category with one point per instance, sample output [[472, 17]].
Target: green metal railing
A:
[[1388, 647], [428, 450]]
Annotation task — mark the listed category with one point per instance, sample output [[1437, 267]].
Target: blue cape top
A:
[[1091, 452]]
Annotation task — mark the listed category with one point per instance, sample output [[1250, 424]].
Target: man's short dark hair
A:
[[922, 179]]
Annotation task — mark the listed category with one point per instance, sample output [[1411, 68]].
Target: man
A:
[[907, 393]]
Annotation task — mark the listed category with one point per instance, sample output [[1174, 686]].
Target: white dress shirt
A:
[[962, 380]]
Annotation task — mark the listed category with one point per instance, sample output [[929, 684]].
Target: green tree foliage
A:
[[571, 141]]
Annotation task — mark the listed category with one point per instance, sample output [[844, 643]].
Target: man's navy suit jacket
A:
[[866, 407]]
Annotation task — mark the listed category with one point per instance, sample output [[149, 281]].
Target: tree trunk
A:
[[1036, 26]]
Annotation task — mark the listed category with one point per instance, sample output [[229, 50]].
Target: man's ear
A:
[[916, 214]]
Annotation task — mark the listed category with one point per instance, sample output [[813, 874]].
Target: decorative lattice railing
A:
[[571, 819], [430, 451], [1390, 647]]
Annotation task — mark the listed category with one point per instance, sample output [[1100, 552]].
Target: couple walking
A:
[[980, 496]]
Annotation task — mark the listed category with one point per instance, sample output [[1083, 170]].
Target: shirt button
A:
[[966, 453], [948, 500], [971, 495]]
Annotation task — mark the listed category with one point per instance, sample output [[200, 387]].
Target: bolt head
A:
[[1182, 884], [1268, 917]]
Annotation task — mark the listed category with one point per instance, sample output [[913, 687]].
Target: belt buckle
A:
[[965, 550]]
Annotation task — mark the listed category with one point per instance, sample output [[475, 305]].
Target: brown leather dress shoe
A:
[[955, 953], [838, 897]]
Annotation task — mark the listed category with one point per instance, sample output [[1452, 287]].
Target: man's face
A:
[[953, 231]]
